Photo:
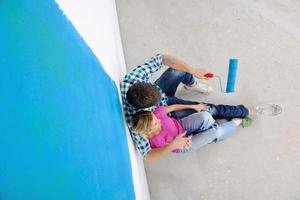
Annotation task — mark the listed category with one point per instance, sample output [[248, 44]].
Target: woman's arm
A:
[[157, 153], [175, 107], [180, 142]]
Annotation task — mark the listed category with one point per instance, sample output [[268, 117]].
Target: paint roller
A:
[[231, 78]]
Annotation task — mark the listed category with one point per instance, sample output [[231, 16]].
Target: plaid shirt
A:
[[141, 73]]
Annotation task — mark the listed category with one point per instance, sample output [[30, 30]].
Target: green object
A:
[[246, 122]]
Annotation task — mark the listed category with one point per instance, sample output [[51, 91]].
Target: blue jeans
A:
[[171, 78], [214, 134], [201, 125], [197, 122], [169, 81]]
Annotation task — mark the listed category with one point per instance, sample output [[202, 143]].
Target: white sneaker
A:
[[270, 110], [199, 87]]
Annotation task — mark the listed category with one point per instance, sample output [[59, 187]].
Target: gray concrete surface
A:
[[261, 162]]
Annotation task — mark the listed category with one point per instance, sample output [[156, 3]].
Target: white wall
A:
[[97, 23]]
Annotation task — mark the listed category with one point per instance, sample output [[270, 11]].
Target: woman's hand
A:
[[181, 142], [188, 143], [199, 107]]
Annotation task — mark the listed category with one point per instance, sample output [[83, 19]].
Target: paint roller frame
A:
[[231, 77]]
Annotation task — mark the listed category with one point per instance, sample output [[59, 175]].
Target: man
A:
[[139, 94]]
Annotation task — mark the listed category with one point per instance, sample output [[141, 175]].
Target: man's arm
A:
[[144, 71], [182, 66]]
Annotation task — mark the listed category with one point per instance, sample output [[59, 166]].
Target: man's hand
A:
[[199, 107], [199, 73], [181, 142]]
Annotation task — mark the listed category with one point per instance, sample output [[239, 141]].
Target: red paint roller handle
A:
[[209, 75]]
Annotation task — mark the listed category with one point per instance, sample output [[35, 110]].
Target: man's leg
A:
[[217, 111], [181, 113], [227, 111], [170, 80]]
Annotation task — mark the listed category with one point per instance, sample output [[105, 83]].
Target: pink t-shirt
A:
[[170, 128]]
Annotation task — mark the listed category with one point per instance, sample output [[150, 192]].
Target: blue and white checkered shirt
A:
[[141, 73]]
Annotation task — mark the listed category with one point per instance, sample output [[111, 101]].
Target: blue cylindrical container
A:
[[233, 64]]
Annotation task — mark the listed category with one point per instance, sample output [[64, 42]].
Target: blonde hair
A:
[[141, 123]]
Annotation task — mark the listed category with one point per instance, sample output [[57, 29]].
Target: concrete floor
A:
[[261, 162]]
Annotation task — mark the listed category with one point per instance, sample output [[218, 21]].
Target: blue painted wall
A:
[[62, 134]]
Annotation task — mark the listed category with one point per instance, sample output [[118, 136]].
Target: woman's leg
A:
[[197, 122], [215, 134]]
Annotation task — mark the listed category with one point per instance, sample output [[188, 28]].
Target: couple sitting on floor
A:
[[161, 123]]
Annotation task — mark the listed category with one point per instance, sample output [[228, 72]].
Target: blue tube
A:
[[233, 64]]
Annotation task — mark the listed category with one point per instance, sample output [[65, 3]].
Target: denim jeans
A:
[[214, 134], [201, 125], [169, 82], [197, 122]]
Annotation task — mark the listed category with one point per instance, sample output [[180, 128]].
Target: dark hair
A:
[[143, 95]]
